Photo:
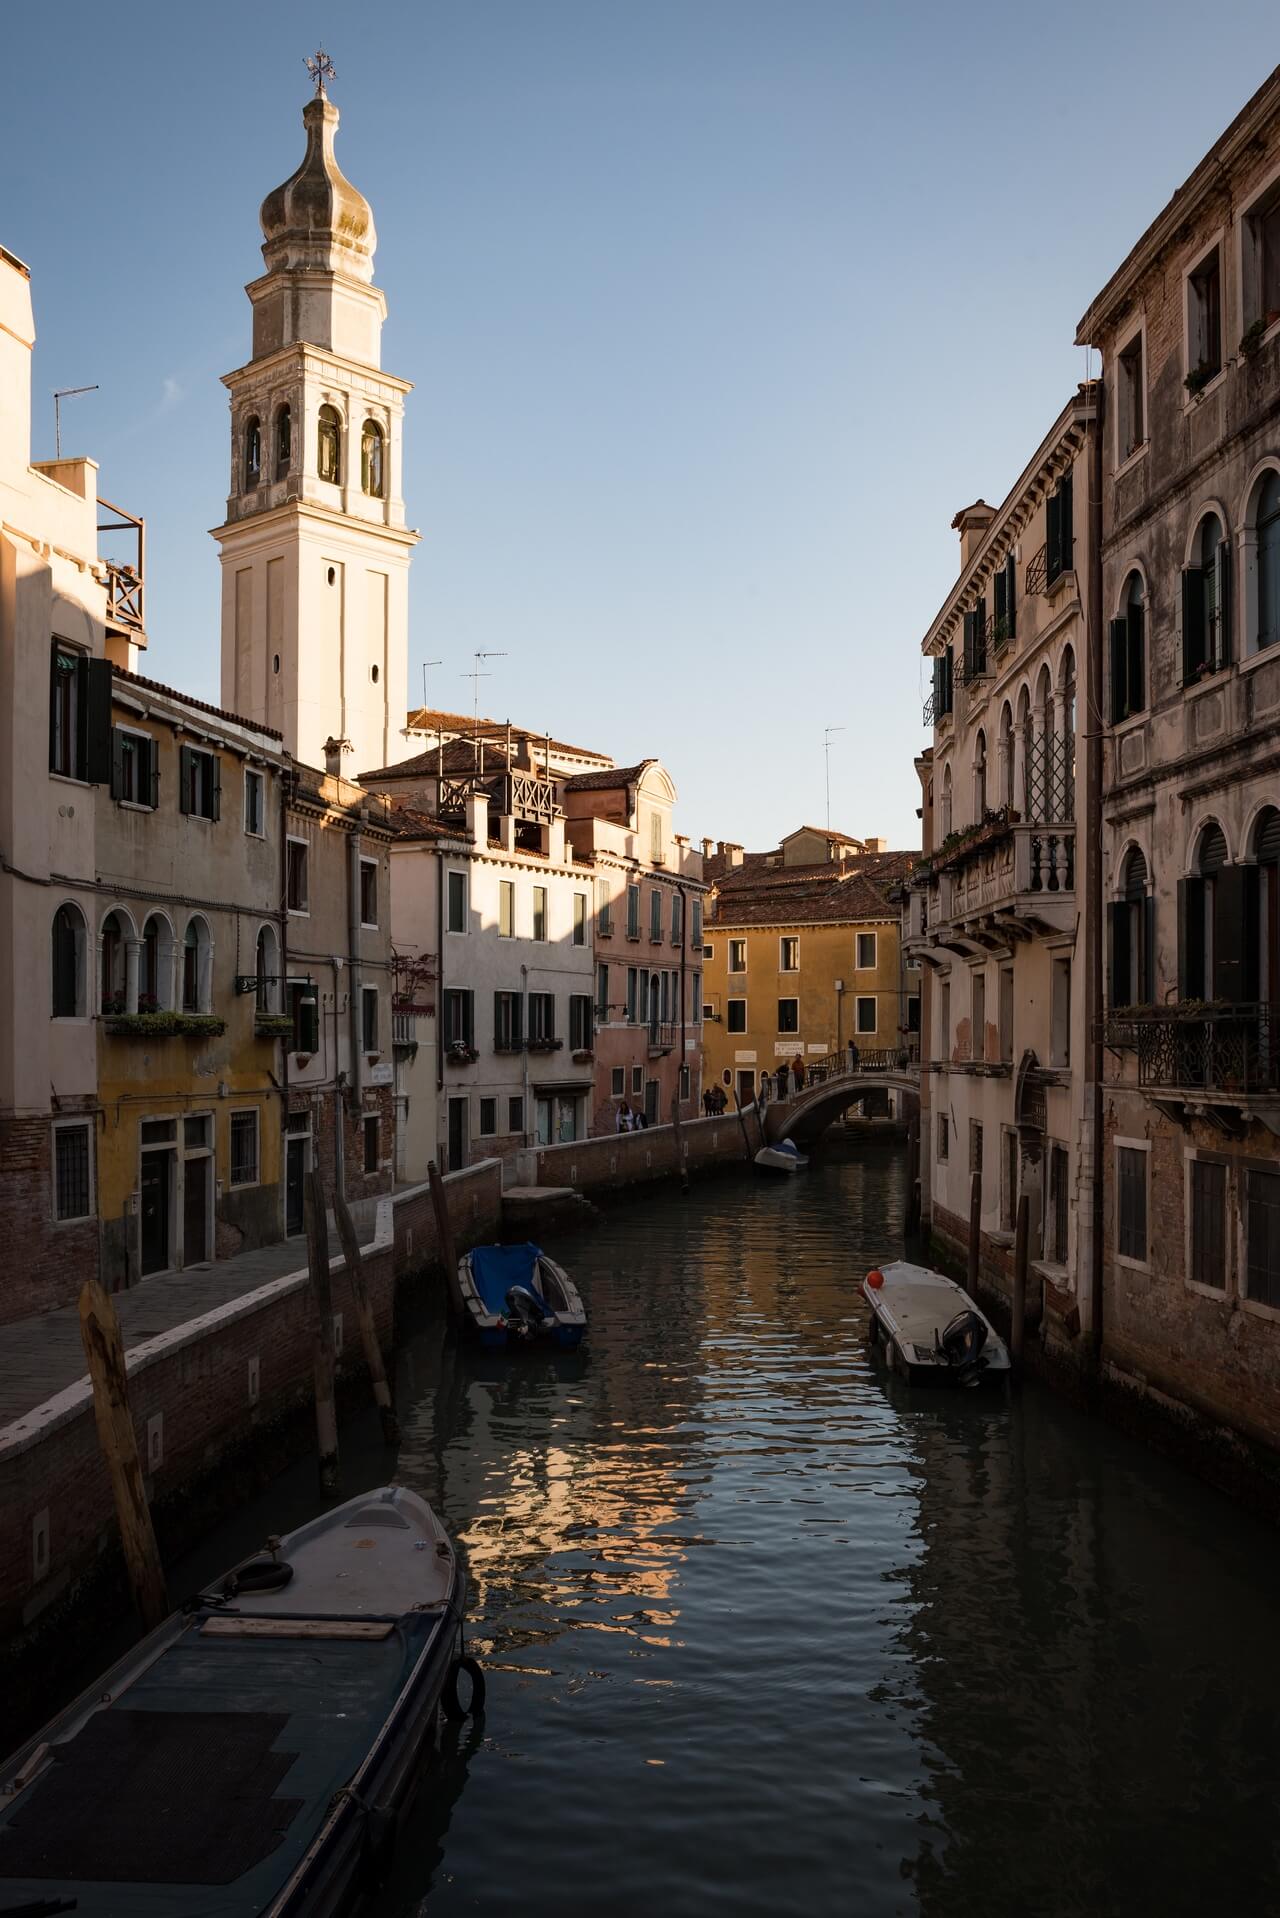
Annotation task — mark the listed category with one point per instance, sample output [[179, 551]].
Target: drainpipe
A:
[[282, 992], [1091, 1128], [355, 1006]]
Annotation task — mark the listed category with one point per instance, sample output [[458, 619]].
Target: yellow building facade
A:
[[802, 956]]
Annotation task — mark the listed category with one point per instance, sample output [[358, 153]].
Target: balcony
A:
[[1201, 1054], [404, 1031], [125, 577], [662, 1037], [1007, 880]]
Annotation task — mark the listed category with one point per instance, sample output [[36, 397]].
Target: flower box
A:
[[165, 1025], [273, 1025]]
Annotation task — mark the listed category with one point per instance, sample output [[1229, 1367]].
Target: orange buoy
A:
[[875, 1280]]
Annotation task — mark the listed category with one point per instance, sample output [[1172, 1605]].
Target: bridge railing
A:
[[844, 1065]]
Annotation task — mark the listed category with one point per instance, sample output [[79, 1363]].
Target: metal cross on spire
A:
[[321, 68]]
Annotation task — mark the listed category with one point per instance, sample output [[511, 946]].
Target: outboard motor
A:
[[526, 1310], [960, 1346]]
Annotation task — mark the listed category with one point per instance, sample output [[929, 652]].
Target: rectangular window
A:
[[488, 1117], [975, 1148], [244, 1148], [632, 994], [579, 918], [944, 1135], [1260, 260], [1131, 1203], [1006, 1014], [515, 1115], [1060, 1013], [1128, 662], [1209, 1223], [866, 952], [637, 1078], [456, 902], [788, 955], [542, 1018], [788, 1015], [1204, 322], [297, 876], [695, 927], [618, 1082], [1262, 1233], [602, 995], [200, 783], [604, 910], [507, 1021], [368, 892], [254, 803], [72, 1183], [655, 914], [656, 843], [305, 1013], [369, 1018], [581, 1032], [677, 918], [686, 1082], [539, 912], [943, 684], [370, 1126], [506, 909], [457, 1010], [134, 778], [79, 715], [633, 912], [865, 1017], [737, 955], [735, 1015], [978, 1017], [1059, 531], [1131, 400], [695, 1003]]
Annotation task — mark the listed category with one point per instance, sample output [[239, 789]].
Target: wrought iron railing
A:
[[1213, 1048], [927, 715], [662, 1035], [1036, 577]]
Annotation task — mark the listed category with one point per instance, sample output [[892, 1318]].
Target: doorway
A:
[[196, 1180], [457, 1134], [297, 1164], [746, 1087], [156, 1184], [651, 1102]]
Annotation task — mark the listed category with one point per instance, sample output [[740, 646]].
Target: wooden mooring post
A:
[[1018, 1317], [975, 1232], [322, 1304], [368, 1324], [682, 1164], [104, 1353], [444, 1238]]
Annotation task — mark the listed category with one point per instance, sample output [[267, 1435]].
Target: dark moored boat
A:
[[250, 1757], [516, 1295]]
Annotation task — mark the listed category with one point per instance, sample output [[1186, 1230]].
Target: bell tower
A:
[[315, 551]]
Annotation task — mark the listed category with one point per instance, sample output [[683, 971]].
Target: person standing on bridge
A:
[[797, 1066], [766, 1090], [784, 1073], [853, 1055]]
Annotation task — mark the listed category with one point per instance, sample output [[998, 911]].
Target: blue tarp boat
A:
[[251, 1756], [515, 1294]]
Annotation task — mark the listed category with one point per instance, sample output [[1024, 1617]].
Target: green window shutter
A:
[[308, 1020], [184, 778], [948, 679], [1191, 938], [968, 643], [1137, 695], [1147, 957], [1119, 668], [1118, 960], [1001, 584], [937, 693], [96, 712], [1228, 935], [1011, 596], [215, 791], [53, 706], [1193, 649], [1052, 537], [117, 762], [1066, 527]]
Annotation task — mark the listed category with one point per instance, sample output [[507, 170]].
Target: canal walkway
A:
[[43, 1355]]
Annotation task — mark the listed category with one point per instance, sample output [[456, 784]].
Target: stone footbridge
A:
[[833, 1084]]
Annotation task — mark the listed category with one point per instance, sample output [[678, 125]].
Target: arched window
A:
[[1044, 771], [1209, 943], [372, 448], [284, 441], [252, 450], [155, 965], [1131, 937], [329, 450], [1263, 913], [113, 983], [1268, 564], [1128, 653], [1007, 787], [1025, 743], [268, 969], [197, 968], [1206, 602], [946, 801], [980, 777], [68, 963], [1067, 753]]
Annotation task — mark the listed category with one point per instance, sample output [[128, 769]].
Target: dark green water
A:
[[766, 1633]]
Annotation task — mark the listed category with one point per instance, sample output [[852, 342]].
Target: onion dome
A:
[[317, 221]]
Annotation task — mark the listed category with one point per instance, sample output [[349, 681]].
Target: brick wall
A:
[[375, 1101], [44, 1264], [631, 1158]]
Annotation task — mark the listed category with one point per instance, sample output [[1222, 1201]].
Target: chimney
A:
[[731, 852], [971, 522], [708, 847], [333, 751], [875, 845]]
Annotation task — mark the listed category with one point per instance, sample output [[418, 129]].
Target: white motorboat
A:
[[782, 1157], [930, 1328]]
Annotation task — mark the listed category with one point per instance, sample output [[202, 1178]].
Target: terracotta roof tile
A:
[[607, 781], [200, 705], [456, 756], [430, 720]]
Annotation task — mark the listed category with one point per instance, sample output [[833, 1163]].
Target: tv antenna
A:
[[64, 393], [425, 664], [827, 737], [476, 674]]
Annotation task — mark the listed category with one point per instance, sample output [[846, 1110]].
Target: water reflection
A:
[[768, 1632]]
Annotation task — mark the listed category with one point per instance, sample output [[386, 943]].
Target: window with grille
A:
[[72, 1197], [296, 875], [1262, 1237], [1131, 1203], [244, 1148], [1209, 1223]]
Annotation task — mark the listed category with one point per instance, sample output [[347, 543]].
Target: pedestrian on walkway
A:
[[797, 1066], [624, 1117], [784, 1073], [708, 1102], [853, 1055], [766, 1090]]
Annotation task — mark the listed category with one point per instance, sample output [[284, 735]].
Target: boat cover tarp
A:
[[496, 1268]]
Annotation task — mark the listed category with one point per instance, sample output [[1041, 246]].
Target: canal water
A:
[[767, 1632]]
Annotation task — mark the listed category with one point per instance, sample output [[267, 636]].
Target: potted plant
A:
[[1251, 339], [1199, 377]]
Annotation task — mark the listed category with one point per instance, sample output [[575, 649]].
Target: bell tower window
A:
[[284, 441], [252, 450], [372, 448], [329, 452]]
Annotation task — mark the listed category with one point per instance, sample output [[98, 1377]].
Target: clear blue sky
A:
[[716, 310]]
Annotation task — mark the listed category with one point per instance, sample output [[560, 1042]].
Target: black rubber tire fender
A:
[[454, 1708], [260, 1575]]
